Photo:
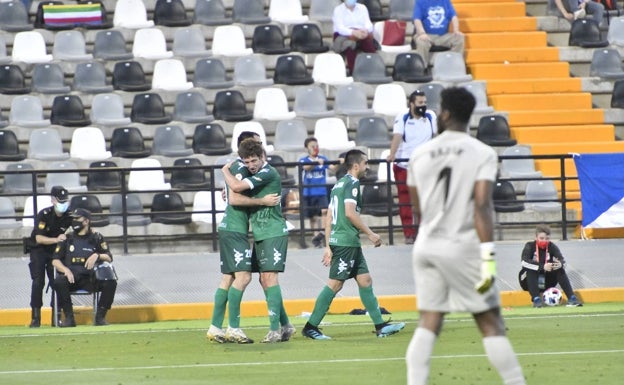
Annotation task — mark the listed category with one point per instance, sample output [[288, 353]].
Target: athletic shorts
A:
[[270, 254], [446, 273], [235, 252], [314, 205], [347, 262]]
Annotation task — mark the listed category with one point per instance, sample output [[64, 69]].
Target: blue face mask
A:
[[350, 3], [61, 207]]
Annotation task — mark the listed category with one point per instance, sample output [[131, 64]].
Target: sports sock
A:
[[235, 297], [218, 312], [370, 303], [283, 316], [503, 358], [323, 301], [274, 303], [418, 356]]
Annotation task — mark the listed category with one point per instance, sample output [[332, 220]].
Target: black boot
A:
[[100, 317], [69, 321], [35, 317]]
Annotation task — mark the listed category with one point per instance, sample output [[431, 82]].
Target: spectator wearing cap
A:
[[49, 229], [75, 259], [411, 129]]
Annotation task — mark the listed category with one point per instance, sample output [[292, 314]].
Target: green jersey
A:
[[236, 218], [266, 221], [343, 232]]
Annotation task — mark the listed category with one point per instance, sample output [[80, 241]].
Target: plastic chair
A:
[[331, 134], [68, 110], [389, 100], [218, 178], [378, 34], [170, 13], [505, 200], [133, 211], [373, 132], [291, 70], [211, 73], [169, 208], [375, 201], [382, 168], [210, 139], [231, 106], [375, 10], [101, 179], [3, 121], [617, 95], [110, 45], [108, 110], [307, 38], [71, 46], [310, 102], [131, 14], [542, 190], [210, 12], [129, 76], [229, 40], [190, 42], [128, 142], [494, 130], [49, 78], [202, 201], [410, 68], [249, 71], [9, 147], [12, 80], [170, 75], [91, 203], [14, 17], [450, 67], [253, 127], [586, 33], [269, 40], [287, 12], [607, 64], [370, 68], [351, 100], [88, 143], [290, 135], [3, 52], [30, 211], [7, 210], [91, 78], [615, 34], [191, 107], [147, 180], [249, 12], [149, 43], [401, 9], [27, 111], [18, 183], [271, 104], [432, 91], [518, 168], [29, 47], [69, 180], [322, 10], [149, 109], [194, 178], [170, 141], [477, 89], [278, 162], [329, 68]]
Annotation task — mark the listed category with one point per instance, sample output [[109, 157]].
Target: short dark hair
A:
[[542, 229], [459, 102], [353, 157], [413, 95], [308, 140], [245, 135], [250, 147]]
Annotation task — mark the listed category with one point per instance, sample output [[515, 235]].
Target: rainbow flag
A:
[[72, 14]]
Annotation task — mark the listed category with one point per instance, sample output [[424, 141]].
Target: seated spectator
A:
[[579, 9], [431, 27], [545, 267], [353, 31]]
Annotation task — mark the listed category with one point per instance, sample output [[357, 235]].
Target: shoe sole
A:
[[384, 335], [324, 337]]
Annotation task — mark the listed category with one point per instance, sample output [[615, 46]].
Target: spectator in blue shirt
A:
[[432, 19]]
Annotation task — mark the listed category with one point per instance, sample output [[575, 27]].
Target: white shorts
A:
[[445, 273]]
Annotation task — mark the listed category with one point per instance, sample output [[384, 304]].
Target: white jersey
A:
[[414, 132], [444, 171]]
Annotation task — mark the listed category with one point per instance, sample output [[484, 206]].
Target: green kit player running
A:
[[343, 251]]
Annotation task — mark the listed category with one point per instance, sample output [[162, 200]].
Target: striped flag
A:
[[72, 14]]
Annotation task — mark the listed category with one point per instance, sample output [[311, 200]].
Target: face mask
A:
[[77, 225], [420, 110], [315, 151], [350, 3], [61, 207], [542, 244]]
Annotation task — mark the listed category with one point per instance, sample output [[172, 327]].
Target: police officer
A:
[[50, 226], [75, 259]]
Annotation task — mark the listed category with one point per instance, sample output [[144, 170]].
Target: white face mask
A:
[[61, 207]]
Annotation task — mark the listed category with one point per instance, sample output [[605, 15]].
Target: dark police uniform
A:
[[73, 253]]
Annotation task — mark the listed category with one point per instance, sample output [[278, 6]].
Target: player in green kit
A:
[[269, 231], [343, 251]]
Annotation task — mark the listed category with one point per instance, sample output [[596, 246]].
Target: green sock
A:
[[218, 312], [274, 303], [370, 303], [323, 301], [234, 300], [283, 316]]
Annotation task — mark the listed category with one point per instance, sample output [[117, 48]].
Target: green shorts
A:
[[234, 251], [347, 262], [270, 254]]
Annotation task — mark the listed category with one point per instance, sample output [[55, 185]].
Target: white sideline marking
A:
[[264, 363]]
